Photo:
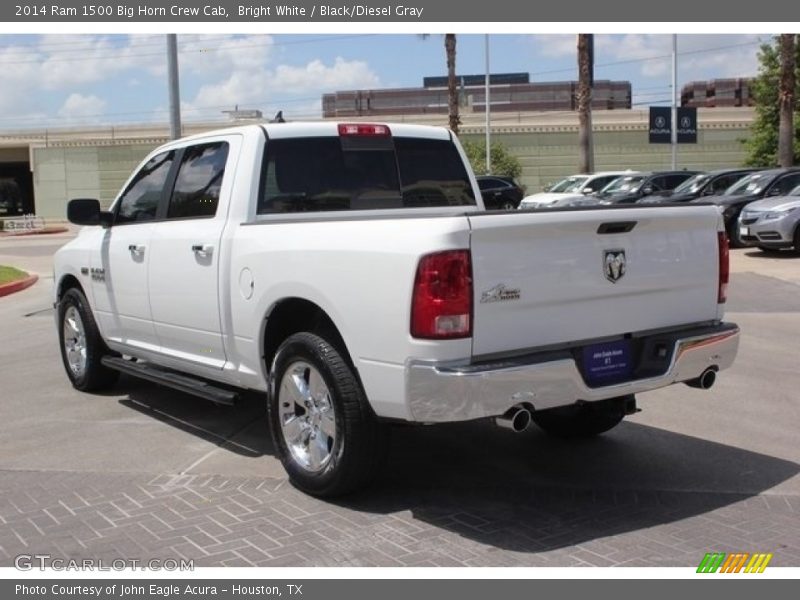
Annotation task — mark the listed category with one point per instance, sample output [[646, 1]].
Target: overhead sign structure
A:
[[661, 125]]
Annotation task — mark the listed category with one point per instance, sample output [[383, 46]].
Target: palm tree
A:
[[453, 117], [586, 147], [786, 101]]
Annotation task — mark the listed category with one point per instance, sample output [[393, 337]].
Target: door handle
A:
[[203, 250], [136, 249]]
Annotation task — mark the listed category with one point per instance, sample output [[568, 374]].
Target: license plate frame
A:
[[744, 231], [608, 362]]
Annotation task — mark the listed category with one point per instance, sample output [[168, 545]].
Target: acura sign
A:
[[661, 125]]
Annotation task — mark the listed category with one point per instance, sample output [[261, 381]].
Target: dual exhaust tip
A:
[[705, 381], [518, 418]]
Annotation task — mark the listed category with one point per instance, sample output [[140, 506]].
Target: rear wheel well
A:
[[295, 315]]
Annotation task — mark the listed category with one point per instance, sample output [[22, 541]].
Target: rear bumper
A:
[[458, 392]]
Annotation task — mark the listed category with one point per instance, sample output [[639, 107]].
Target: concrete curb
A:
[[45, 231], [18, 286]]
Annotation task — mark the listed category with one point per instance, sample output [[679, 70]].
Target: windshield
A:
[[752, 184], [569, 184], [692, 185], [622, 185]]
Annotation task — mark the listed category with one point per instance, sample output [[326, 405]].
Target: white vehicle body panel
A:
[[555, 260], [207, 315]]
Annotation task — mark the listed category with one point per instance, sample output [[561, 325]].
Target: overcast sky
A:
[[62, 80]]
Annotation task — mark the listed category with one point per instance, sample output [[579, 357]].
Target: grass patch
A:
[[9, 274]]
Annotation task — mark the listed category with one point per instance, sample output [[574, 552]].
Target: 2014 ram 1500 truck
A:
[[350, 273]]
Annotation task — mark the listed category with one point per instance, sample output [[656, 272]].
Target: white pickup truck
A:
[[350, 273]]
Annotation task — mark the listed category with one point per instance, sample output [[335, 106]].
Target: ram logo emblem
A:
[[614, 264]]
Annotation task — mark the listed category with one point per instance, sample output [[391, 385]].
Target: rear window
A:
[[324, 174]]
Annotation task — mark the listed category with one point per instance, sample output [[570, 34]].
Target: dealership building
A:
[[54, 165]]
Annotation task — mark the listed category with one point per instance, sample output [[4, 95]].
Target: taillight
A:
[[363, 129], [724, 267], [441, 305]]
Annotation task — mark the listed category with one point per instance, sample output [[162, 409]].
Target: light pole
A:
[[174, 89], [488, 111]]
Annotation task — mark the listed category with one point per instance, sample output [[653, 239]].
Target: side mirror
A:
[[86, 211], [709, 191], [647, 190], [587, 190], [776, 191]]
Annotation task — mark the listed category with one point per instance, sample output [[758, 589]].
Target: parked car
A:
[[773, 223], [630, 188], [711, 183], [499, 193], [570, 187], [762, 184]]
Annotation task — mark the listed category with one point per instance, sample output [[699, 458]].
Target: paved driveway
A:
[[145, 472]]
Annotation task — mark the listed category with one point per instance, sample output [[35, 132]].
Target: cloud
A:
[[78, 106], [700, 56], [293, 89]]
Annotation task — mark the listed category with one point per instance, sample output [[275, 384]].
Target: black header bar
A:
[[387, 11]]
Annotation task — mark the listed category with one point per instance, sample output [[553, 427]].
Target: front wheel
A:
[[323, 429], [582, 420], [82, 347]]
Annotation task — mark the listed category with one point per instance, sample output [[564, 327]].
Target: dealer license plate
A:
[[608, 362]]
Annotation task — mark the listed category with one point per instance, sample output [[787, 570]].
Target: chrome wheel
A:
[[306, 415], [75, 341]]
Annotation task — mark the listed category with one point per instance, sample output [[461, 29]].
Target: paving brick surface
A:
[[228, 521]]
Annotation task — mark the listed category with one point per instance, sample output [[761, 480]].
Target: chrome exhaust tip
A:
[[705, 381], [517, 419]]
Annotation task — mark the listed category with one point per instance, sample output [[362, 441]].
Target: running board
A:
[[176, 381]]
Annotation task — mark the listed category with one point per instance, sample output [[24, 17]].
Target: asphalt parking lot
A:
[[145, 472]]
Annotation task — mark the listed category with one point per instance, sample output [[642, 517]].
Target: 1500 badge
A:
[[500, 293]]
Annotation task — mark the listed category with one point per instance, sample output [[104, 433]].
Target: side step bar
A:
[[180, 382]]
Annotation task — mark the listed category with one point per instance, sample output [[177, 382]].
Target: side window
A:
[[724, 182], [140, 201], [600, 182], [657, 183], [197, 187], [485, 184], [788, 183], [673, 181]]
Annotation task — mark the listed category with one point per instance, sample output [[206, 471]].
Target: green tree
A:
[[503, 162], [762, 145]]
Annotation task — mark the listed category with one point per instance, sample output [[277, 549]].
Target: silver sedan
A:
[[773, 223]]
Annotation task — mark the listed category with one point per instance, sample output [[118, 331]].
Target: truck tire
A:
[[582, 420], [81, 345], [323, 428]]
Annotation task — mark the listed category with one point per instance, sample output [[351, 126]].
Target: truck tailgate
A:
[[549, 278]]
